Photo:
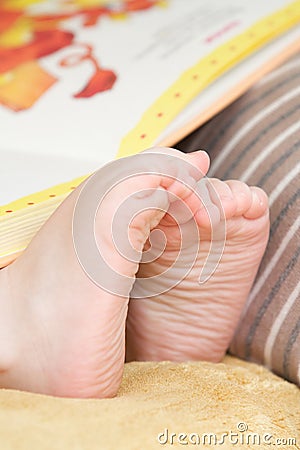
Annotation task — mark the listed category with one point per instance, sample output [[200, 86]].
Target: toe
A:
[[222, 196], [259, 204], [217, 202], [242, 194], [199, 159]]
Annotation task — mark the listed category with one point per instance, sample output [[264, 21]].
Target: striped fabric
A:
[[257, 140]]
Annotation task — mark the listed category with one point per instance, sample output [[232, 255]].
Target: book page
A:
[[220, 88], [74, 82]]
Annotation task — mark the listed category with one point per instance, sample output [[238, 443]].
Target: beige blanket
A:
[[224, 405]]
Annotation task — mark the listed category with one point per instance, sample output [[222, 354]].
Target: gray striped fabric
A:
[[257, 140]]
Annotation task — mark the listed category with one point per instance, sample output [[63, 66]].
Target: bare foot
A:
[[196, 321], [61, 333]]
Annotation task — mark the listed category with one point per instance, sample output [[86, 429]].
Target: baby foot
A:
[[63, 333], [195, 321]]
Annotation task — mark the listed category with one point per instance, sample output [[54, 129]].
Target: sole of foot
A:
[[64, 334], [192, 320]]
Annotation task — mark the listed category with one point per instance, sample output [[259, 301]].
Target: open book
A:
[[85, 81]]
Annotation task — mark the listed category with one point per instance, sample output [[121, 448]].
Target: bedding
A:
[[257, 140], [156, 401]]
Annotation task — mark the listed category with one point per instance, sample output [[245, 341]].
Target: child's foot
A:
[[196, 321], [62, 334]]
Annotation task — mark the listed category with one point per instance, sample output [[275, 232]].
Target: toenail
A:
[[259, 199]]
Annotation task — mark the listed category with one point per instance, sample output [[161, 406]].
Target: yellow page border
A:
[[179, 95]]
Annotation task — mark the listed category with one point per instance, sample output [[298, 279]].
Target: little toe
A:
[[259, 204]]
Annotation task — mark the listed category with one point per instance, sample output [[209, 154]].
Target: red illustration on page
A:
[[25, 38]]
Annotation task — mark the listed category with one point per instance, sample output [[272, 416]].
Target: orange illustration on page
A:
[[26, 37]]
